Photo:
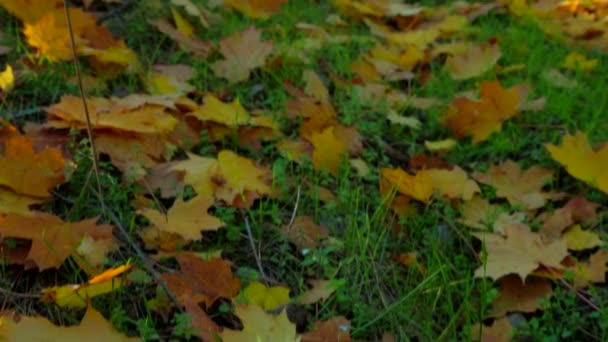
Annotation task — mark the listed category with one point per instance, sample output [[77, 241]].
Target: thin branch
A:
[[68, 19], [295, 211], [141, 255], [258, 257]]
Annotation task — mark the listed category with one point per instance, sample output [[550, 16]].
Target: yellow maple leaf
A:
[[328, 150], [579, 62], [581, 160], [268, 298], [260, 326], [92, 328], [182, 24], [579, 239], [453, 183], [240, 181], [7, 79], [186, 218], [230, 114], [419, 186]]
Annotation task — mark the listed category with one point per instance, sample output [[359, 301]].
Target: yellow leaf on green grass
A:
[[7, 79], [182, 24], [268, 298], [578, 61], [579, 239], [581, 160]]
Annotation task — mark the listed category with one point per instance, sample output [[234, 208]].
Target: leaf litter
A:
[[149, 138]]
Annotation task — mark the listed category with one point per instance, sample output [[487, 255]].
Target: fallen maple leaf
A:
[[259, 326], [314, 86], [519, 187], [453, 183], [242, 53], [578, 239], [520, 251], [229, 114], [169, 79], [29, 172], [186, 218], [13, 203], [7, 79], [577, 210], [78, 296], [334, 329], [305, 233], [197, 47], [581, 160], [257, 9], [517, 296], [93, 327], [30, 11], [53, 240], [132, 114], [240, 181], [202, 280], [328, 150], [474, 61], [206, 328], [321, 290], [268, 298], [199, 173], [418, 186], [482, 118], [501, 330]]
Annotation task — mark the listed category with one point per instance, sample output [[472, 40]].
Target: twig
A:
[[19, 295], [257, 256], [457, 231], [295, 211], [141, 255], [569, 287], [68, 19]]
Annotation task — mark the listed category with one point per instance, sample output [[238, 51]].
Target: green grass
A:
[[373, 291]]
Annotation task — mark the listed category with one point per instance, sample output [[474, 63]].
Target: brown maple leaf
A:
[[53, 240], [242, 53], [202, 280], [519, 187]]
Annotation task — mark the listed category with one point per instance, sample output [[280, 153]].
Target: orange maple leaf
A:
[[482, 118], [28, 172]]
